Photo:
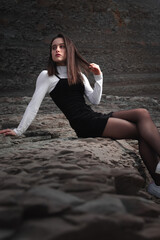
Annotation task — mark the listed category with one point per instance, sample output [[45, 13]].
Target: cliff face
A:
[[121, 36]]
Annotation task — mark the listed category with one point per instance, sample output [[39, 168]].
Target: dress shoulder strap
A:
[[57, 76]]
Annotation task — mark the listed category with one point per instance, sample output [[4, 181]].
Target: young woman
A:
[[67, 85]]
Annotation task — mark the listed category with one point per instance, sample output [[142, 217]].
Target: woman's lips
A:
[[58, 55]]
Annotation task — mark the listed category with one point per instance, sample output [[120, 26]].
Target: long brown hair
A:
[[75, 62]]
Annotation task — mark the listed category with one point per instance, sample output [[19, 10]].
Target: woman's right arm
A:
[[42, 85]]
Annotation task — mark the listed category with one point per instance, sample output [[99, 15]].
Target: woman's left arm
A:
[[94, 94]]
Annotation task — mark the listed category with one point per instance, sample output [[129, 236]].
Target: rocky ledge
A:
[[56, 186]]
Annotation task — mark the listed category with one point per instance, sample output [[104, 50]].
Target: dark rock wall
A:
[[122, 36]]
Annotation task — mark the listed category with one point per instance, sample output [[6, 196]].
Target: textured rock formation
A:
[[121, 36], [52, 184], [56, 186]]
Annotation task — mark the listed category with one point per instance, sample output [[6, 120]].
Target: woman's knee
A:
[[143, 113]]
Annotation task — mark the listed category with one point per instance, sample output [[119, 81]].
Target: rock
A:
[[63, 187], [10, 217], [128, 183], [151, 232], [6, 233], [140, 207], [81, 227], [106, 204]]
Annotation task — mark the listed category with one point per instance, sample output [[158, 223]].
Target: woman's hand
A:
[[95, 69], [6, 132]]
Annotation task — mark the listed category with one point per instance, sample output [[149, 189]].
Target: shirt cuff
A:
[[17, 133], [98, 77]]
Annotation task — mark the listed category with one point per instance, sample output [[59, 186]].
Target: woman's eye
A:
[[60, 46]]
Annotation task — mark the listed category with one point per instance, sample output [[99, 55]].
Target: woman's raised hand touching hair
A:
[[7, 132], [95, 69]]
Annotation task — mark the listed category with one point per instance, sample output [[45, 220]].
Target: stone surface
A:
[[56, 186], [52, 184]]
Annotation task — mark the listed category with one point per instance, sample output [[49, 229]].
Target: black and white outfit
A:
[[70, 99]]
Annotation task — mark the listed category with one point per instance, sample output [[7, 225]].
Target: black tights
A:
[[137, 124]]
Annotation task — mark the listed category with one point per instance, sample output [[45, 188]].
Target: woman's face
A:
[[59, 52]]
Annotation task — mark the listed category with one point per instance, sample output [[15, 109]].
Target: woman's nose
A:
[[57, 49]]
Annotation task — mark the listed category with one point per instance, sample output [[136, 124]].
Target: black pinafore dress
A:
[[70, 100]]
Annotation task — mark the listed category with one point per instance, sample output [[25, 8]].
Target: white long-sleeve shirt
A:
[[45, 84]]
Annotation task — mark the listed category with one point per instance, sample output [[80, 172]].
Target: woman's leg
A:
[[117, 128], [145, 126], [150, 159], [132, 124]]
